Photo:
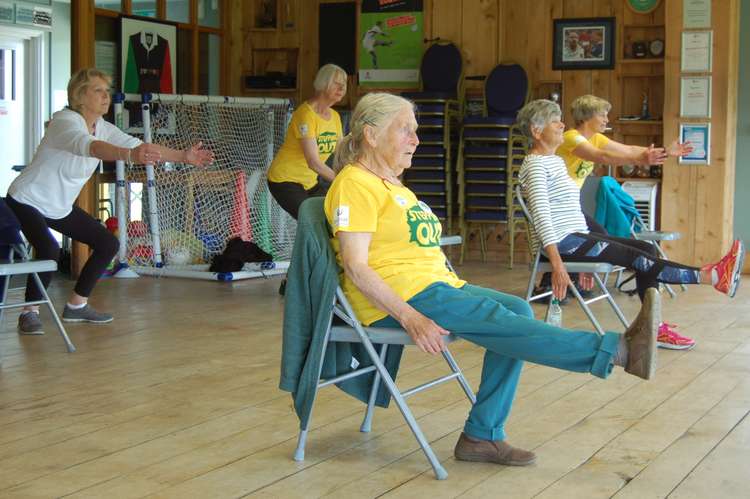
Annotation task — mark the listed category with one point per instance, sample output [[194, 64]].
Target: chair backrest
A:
[[441, 68], [589, 190], [506, 90]]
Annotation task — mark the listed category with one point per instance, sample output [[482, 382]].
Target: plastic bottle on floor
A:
[[554, 313]]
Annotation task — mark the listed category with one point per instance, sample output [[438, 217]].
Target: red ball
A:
[[112, 224], [137, 228]]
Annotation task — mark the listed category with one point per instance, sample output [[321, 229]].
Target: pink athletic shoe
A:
[[669, 338]]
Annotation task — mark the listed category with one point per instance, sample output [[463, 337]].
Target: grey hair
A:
[[78, 83], [536, 115], [326, 75], [376, 110], [586, 107]]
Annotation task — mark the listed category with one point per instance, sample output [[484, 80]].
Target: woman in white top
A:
[[561, 230], [43, 195]]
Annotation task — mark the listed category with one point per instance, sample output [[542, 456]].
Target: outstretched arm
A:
[[151, 153], [615, 153]]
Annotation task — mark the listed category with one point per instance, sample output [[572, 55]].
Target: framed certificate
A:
[[696, 14], [696, 51], [699, 136], [695, 97]]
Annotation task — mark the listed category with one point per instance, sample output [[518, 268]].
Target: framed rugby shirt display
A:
[[148, 51]]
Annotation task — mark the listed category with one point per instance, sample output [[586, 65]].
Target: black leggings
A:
[[594, 227], [79, 226], [290, 195], [639, 256]]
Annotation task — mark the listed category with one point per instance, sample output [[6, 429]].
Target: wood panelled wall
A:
[[697, 200]]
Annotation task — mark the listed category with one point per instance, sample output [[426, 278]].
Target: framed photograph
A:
[[148, 56], [696, 51], [695, 97], [584, 43], [699, 136]]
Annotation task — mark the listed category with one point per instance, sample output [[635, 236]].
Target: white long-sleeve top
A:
[[553, 198], [62, 163]]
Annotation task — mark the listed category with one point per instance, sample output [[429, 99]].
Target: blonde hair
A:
[[376, 110], [536, 115], [586, 107], [78, 83], [326, 75]]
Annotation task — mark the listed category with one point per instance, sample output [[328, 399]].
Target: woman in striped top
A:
[[560, 228]]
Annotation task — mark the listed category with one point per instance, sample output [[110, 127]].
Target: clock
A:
[[656, 48]]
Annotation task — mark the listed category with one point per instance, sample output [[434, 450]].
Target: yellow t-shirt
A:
[[289, 165], [405, 247], [578, 169]]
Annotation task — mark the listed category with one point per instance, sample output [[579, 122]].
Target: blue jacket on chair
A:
[[312, 279], [615, 208]]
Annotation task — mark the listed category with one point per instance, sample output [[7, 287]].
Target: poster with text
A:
[[390, 43]]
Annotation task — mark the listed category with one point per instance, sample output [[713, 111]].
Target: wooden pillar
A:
[[698, 200], [82, 45]]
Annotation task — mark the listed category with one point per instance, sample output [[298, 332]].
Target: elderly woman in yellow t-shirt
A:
[[394, 274], [586, 145], [312, 135]]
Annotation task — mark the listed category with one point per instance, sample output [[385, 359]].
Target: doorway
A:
[[22, 98]]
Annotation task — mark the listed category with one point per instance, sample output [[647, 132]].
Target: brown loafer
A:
[[491, 451], [641, 337]]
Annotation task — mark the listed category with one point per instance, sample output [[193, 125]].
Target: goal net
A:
[[180, 216]]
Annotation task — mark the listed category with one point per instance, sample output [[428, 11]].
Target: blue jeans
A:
[[504, 324]]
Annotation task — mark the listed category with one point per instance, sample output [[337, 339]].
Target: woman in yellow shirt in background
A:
[[312, 136], [586, 145]]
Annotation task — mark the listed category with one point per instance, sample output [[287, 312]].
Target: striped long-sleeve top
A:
[[553, 198]]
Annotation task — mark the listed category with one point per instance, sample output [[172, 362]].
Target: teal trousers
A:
[[504, 324]]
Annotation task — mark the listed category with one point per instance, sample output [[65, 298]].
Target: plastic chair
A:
[[352, 331], [594, 268]]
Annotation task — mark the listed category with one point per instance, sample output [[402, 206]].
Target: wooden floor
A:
[[178, 398]]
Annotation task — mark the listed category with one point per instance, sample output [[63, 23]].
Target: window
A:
[[7, 74], [199, 37]]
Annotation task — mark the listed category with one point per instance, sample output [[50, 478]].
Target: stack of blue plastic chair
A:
[[491, 152], [439, 109]]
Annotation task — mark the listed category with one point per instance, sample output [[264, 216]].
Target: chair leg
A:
[[482, 243], [461, 378], [586, 309], [367, 423], [440, 472], [69, 344], [6, 286], [299, 452], [532, 277], [611, 301]]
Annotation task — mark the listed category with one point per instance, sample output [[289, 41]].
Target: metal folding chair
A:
[[11, 267], [594, 268], [352, 331]]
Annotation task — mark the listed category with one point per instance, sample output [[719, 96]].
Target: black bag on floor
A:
[[236, 254]]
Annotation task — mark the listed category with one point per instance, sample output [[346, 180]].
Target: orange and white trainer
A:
[[729, 269]]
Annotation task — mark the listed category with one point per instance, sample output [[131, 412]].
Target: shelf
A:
[[648, 26], [638, 122], [642, 60]]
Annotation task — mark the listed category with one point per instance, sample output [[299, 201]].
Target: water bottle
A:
[[554, 313]]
